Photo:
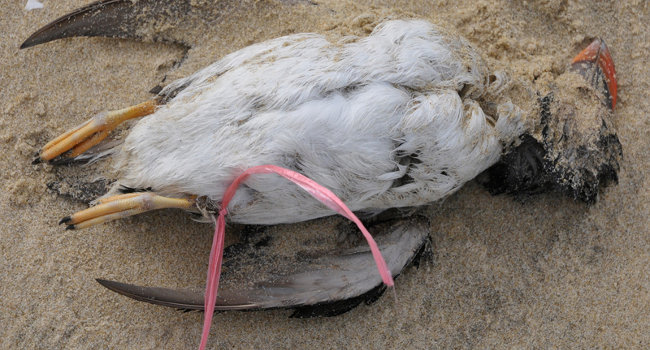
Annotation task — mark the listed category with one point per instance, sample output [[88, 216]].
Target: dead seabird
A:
[[401, 118]]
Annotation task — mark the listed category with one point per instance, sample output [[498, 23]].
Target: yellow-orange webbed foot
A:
[[123, 205], [92, 132]]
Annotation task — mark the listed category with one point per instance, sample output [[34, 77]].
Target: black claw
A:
[[65, 220], [37, 157], [70, 227]]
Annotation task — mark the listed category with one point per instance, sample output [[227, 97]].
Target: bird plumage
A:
[[389, 120], [402, 117]]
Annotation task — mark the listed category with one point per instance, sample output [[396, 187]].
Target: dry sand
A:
[[545, 272]]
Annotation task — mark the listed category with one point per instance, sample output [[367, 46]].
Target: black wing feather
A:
[[111, 18], [325, 284]]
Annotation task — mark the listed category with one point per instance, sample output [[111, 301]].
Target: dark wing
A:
[[154, 20], [113, 18], [318, 281]]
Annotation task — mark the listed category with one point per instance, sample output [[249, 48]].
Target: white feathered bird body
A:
[[390, 120]]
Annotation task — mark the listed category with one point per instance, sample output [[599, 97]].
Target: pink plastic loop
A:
[[319, 192]]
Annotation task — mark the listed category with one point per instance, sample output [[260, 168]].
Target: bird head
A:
[[574, 149]]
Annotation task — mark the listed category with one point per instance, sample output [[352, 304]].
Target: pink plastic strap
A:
[[317, 191]]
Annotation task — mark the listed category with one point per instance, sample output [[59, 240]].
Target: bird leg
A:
[[93, 131], [123, 205]]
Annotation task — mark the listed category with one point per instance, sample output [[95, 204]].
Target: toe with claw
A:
[[80, 139], [121, 206]]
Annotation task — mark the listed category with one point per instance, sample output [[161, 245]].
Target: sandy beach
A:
[[538, 272]]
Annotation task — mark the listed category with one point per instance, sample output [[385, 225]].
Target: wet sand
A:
[[538, 272]]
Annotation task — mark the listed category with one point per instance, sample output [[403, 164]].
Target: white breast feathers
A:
[[379, 120]]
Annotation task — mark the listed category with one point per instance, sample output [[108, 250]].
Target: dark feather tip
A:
[[70, 227], [65, 220], [67, 161]]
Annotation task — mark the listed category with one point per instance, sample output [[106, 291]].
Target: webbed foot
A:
[[121, 206], [80, 139]]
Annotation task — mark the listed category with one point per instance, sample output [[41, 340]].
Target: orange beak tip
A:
[[595, 59]]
